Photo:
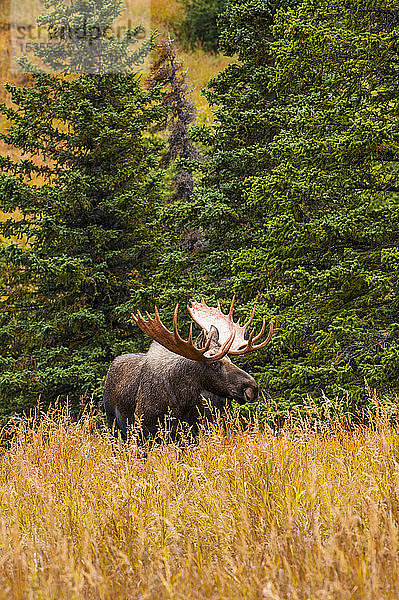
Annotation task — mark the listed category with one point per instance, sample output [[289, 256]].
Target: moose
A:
[[170, 379]]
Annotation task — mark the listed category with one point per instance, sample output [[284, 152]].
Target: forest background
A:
[[293, 203]]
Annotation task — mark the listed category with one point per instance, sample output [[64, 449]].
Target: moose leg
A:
[[111, 417], [122, 423], [193, 417], [115, 420], [214, 406]]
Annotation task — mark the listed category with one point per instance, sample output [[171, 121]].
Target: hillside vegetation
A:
[[165, 16], [307, 513]]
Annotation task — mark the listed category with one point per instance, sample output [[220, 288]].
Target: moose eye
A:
[[217, 366]]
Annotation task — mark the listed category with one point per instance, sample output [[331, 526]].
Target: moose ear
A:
[[201, 339], [204, 337], [214, 333]]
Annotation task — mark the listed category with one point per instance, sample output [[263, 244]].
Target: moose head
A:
[[220, 336]]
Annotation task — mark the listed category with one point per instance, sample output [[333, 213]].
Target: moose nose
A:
[[251, 394]]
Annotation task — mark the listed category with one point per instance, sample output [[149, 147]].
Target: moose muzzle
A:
[[251, 394]]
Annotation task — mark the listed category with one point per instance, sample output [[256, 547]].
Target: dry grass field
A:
[[309, 512]]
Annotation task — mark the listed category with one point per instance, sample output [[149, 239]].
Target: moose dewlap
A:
[[171, 377]]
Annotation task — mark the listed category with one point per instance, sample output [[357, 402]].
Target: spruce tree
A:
[[299, 198], [199, 26], [331, 201], [235, 147], [168, 73], [81, 253]]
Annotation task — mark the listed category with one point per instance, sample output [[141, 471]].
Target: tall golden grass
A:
[[308, 512]]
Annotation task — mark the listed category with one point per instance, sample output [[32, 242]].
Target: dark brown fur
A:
[[148, 387]]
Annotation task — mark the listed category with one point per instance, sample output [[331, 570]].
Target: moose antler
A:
[[205, 316], [172, 340]]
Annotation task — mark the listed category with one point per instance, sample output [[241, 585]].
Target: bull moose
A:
[[169, 379]]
